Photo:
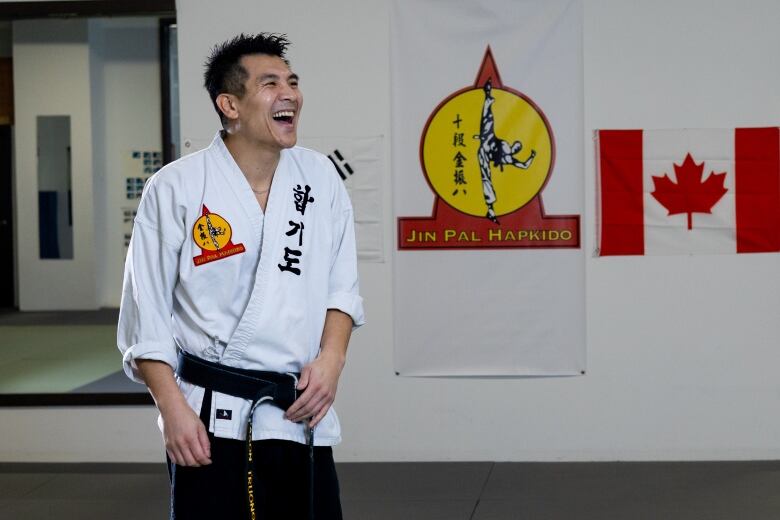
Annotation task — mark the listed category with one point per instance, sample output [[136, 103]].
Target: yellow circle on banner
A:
[[211, 232], [451, 144]]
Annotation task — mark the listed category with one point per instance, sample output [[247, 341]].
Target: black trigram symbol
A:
[[344, 164]]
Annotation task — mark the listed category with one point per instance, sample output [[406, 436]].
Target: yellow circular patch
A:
[[451, 144], [211, 232]]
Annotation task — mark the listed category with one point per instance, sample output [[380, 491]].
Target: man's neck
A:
[[257, 163]]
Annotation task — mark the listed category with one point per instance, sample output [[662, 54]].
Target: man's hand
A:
[[186, 440], [319, 381], [320, 378]]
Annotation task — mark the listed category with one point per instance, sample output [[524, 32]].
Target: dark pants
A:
[[281, 482]]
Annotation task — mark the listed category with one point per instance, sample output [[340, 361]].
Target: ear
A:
[[227, 104]]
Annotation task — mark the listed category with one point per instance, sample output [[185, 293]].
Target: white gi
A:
[[209, 273]]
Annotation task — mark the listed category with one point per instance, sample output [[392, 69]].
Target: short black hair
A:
[[224, 73]]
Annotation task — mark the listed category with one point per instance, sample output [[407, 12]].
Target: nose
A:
[[288, 92]]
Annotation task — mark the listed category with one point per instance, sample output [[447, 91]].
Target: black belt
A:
[[257, 386], [252, 385]]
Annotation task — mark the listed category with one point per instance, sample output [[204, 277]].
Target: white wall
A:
[[84, 434], [125, 82], [681, 350]]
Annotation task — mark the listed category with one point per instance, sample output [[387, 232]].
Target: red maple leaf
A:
[[689, 195]]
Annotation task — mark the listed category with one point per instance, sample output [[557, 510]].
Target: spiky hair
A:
[[224, 73]]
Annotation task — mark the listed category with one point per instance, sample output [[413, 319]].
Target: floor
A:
[[61, 352], [432, 491], [56, 358], [107, 316]]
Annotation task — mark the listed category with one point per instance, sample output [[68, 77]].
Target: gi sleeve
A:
[[151, 272], [343, 287]]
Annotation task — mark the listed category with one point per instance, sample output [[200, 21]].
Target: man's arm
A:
[[186, 440], [320, 378]]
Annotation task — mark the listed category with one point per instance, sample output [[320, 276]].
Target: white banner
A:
[[488, 187], [358, 161]]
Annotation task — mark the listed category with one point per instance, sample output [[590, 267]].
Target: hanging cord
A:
[[310, 441], [250, 465]]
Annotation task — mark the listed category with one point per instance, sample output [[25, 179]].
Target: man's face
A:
[[268, 112]]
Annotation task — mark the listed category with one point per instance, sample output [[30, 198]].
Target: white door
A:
[[53, 166]]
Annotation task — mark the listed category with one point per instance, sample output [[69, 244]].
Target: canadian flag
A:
[[688, 191]]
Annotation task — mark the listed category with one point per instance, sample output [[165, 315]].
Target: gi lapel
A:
[[271, 230]]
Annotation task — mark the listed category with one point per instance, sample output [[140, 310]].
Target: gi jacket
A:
[[208, 272]]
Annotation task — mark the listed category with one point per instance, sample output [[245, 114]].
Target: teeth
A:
[[284, 113]]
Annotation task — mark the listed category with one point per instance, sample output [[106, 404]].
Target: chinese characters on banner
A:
[[458, 178]]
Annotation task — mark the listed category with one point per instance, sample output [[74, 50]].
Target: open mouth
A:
[[284, 116]]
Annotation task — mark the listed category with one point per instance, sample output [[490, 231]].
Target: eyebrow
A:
[[267, 77]]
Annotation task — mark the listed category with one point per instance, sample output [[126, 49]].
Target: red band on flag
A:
[[757, 152], [622, 213]]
